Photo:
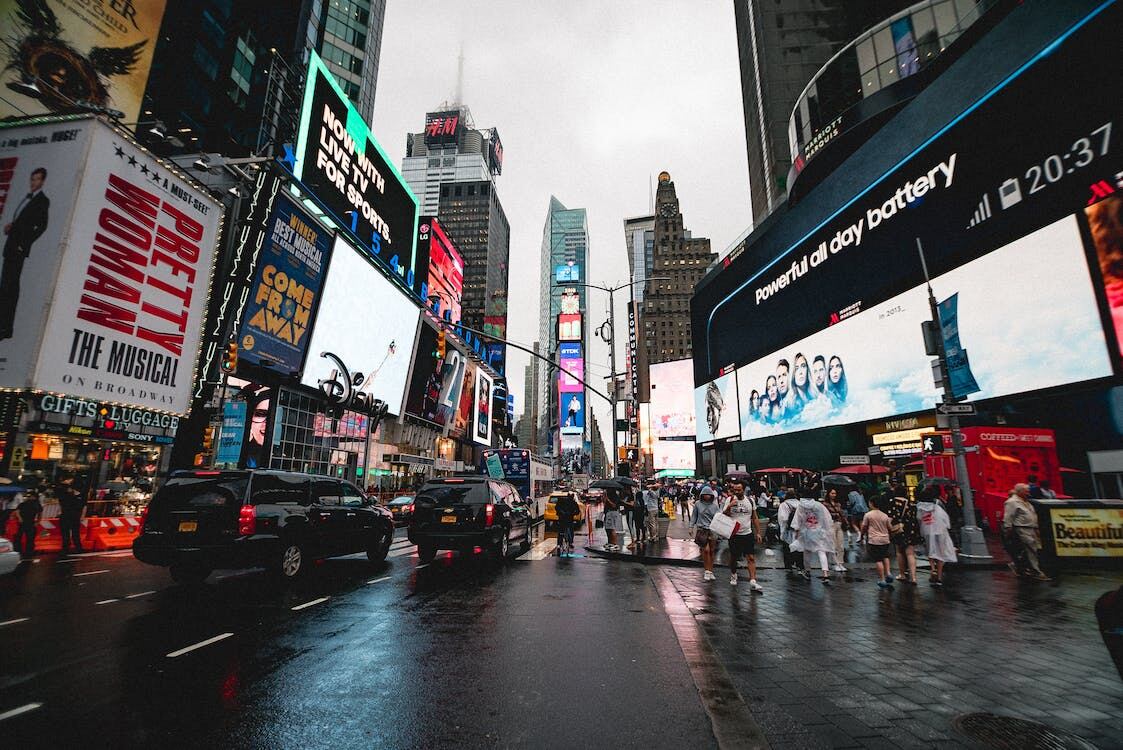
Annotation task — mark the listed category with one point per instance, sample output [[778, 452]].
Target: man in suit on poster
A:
[[27, 225]]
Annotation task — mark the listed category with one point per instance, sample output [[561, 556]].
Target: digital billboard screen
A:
[[441, 269], [495, 152], [442, 128], [286, 286], [339, 160], [569, 327], [567, 274], [435, 385], [673, 454], [716, 411], [1016, 218], [382, 346], [672, 399], [481, 413], [572, 413]]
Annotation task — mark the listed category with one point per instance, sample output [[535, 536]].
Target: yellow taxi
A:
[[551, 514]]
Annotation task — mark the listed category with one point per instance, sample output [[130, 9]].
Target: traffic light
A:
[[230, 360], [208, 440], [440, 344], [627, 453]]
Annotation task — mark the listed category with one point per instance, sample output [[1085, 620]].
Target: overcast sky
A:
[[592, 99]]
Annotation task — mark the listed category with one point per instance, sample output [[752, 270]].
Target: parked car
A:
[[203, 520], [9, 558], [461, 513], [551, 515], [402, 509]]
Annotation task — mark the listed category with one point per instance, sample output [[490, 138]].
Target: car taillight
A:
[[409, 508], [247, 520], [489, 514], [143, 519]]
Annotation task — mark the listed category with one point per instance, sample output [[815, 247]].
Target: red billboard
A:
[[444, 268], [442, 128]]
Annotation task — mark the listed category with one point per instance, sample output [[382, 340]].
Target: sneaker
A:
[[733, 579], [839, 569], [888, 582], [806, 575], [709, 576], [937, 583], [755, 587], [884, 585]]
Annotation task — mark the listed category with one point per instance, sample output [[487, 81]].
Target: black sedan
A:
[[401, 508]]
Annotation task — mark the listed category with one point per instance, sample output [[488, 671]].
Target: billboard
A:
[[435, 385], [715, 409], [572, 363], [1003, 174], [495, 152], [339, 160], [463, 420], [835, 377], [96, 51], [286, 286], [440, 269], [673, 454], [380, 349], [569, 327], [1105, 223], [571, 413], [672, 399], [442, 128], [108, 258], [570, 302], [481, 413], [567, 274]]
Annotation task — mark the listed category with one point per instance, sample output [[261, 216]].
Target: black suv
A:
[[202, 520], [462, 513]]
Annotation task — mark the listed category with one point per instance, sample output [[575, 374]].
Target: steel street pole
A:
[[612, 369], [972, 543]]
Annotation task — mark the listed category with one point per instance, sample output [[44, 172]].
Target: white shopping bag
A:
[[724, 526]]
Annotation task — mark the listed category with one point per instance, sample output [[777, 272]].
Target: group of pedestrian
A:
[[746, 530], [28, 508], [897, 523]]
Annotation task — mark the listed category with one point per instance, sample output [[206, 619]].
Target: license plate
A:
[[188, 526], [448, 519]]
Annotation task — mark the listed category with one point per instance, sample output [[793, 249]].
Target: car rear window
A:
[[202, 492], [471, 494]]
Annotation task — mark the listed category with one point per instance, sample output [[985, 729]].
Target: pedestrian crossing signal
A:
[[440, 350], [230, 360]]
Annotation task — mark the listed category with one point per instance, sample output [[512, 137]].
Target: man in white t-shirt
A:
[[741, 508]]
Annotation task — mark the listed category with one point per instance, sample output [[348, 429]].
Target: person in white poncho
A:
[[935, 528], [814, 533]]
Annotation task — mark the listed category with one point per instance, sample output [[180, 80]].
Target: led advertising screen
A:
[[108, 258], [673, 454], [381, 347], [462, 422], [97, 51], [495, 152], [672, 399], [716, 411], [441, 269], [339, 160], [572, 363], [570, 302], [290, 271], [1015, 216], [567, 274], [835, 377], [434, 386], [442, 128], [481, 413], [572, 413], [1105, 222], [569, 327]]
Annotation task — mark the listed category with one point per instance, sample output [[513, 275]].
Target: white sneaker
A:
[[839, 569], [755, 587], [708, 576], [733, 579]]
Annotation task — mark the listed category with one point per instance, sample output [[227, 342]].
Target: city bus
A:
[[532, 476]]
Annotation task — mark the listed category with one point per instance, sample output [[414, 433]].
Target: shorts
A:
[[741, 545], [613, 521], [878, 552]]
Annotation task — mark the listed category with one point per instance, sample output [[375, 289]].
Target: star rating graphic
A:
[[151, 172]]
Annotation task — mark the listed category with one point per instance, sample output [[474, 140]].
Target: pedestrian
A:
[[834, 507], [875, 531], [856, 508], [784, 517], [1047, 491], [954, 508], [637, 511], [652, 506], [683, 503], [814, 535], [1019, 522], [29, 512], [704, 511], [741, 508], [566, 508], [71, 504], [905, 532], [935, 528], [613, 522]]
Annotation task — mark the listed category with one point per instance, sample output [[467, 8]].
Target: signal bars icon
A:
[[982, 212]]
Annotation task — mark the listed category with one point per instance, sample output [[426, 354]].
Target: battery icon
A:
[[1010, 193]]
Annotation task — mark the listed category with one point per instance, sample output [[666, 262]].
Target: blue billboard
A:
[[567, 273], [285, 291], [569, 350]]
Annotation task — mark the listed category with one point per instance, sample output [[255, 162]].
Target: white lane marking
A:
[[312, 603], [200, 644], [402, 552], [66, 560], [137, 596], [13, 622], [422, 565], [21, 710], [403, 542], [376, 580], [120, 553], [90, 573], [542, 550], [107, 601]]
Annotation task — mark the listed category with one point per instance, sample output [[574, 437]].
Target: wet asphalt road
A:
[[464, 652]]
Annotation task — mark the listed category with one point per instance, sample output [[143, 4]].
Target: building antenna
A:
[[460, 76]]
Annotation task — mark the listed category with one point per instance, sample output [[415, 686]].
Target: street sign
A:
[[854, 460], [933, 443], [874, 450], [964, 409]]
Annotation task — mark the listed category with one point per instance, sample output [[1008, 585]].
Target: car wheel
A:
[[426, 553], [293, 560], [380, 547], [188, 574], [503, 546]]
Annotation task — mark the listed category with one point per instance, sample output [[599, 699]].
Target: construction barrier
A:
[[111, 532]]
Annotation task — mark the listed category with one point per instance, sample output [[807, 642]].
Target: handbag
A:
[[599, 523], [724, 526], [702, 537]]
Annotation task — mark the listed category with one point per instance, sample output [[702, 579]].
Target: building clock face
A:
[[667, 211]]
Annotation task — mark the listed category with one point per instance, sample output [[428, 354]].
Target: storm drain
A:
[[1009, 733]]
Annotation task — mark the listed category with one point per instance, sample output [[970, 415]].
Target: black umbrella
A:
[[839, 480], [627, 481], [606, 484], [738, 476]]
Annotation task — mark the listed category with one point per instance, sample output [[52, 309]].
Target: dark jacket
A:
[[566, 508], [70, 501], [29, 510], [27, 227]]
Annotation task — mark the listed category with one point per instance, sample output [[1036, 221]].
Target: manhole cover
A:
[[1009, 733]]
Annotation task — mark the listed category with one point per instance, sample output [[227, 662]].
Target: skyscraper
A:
[[527, 433], [781, 45], [450, 149]]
